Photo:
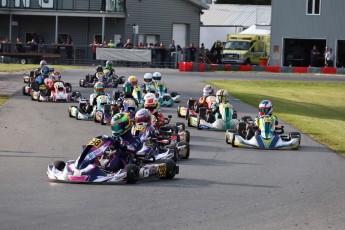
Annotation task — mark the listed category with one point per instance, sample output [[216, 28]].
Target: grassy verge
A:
[[3, 99], [28, 67], [316, 108]]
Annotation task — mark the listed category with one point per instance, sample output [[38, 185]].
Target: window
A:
[[314, 7]]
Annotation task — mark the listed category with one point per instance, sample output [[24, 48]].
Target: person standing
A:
[[94, 45], [329, 57], [69, 49], [314, 54], [192, 52]]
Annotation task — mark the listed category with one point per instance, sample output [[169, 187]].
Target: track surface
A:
[[219, 187]]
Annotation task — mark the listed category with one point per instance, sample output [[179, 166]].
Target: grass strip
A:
[[3, 99], [20, 67]]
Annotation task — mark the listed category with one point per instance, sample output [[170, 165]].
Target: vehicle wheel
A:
[[295, 135], [38, 97], [68, 87], [202, 113], [175, 157], [187, 138], [174, 94], [69, 110], [102, 120], [23, 91], [181, 125], [168, 170], [116, 83], [186, 156], [187, 113], [81, 83], [188, 121], [23, 61], [233, 141], [59, 165], [227, 139], [198, 124], [241, 129], [132, 173], [95, 118], [178, 109], [122, 79], [87, 78]]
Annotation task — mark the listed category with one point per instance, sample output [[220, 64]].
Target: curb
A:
[[204, 67]]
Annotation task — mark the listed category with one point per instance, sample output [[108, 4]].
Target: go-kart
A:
[[48, 83], [83, 111], [57, 93], [266, 137], [29, 77], [167, 138], [103, 110], [109, 81], [166, 99], [89, 167], [224, 119], [138, 95]]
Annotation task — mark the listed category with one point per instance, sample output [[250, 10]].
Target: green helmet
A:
[[120, 124]]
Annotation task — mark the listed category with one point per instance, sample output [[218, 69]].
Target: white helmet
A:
[[149, 95], [265, 108], [157, 77], [147, 78], [208, 90], [43, 63], [222, 96]]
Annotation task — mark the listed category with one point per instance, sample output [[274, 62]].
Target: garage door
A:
[[180, 34]]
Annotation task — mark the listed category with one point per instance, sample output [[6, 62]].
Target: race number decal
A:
[[162, 170], [96, 142], [129, 102], [267, 119]]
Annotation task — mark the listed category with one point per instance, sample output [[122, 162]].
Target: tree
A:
[[244, 2]]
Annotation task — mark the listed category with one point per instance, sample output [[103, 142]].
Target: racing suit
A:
[[257, 123], [121, 100]]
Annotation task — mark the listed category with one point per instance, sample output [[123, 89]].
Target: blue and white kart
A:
[[268, 137], [166, 99]]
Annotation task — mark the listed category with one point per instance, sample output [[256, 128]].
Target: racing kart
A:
[[109, 81], [168, 138], [58, 93], [29, 77], [103, 110], [138, 95], [223, 120], [82, 112], [90, 166], [166, 99], [267, 137]]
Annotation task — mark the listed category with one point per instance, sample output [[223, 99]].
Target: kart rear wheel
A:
[[198, 124], [59, 165], [188, 121], [187, 113], [295, 135], [233, 141], [23, 91], [169, 169], [122, 79], [241, 129], [132, 173], [178, 109], [187, 137]]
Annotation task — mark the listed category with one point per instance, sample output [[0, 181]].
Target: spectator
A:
[[41, 46], [329, 57], [94, 45], [19, 46], [119, 43], [202, 53], [140, 45], [111, 44], [192, 52], [217, 49], [163, 55], [69, 49], [157, 54], [36, 37], [57, 44], [129, 44], [33, 45], [172, 48], [105, 44], [314, 55]]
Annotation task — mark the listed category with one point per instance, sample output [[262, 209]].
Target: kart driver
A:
[[37, 71], [109, 66], [208, 90], [151, 103], [127, 93], [99, 71], [98, 90], [221, 97]]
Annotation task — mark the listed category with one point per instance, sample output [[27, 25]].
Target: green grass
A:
[[316, 108], [3, 99], [28, 67]]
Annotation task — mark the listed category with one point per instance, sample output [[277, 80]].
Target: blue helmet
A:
[[128, 87], [45, 71]]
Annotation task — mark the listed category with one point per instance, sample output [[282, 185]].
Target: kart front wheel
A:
[[59, 165], [180, 125], [132, 173], [187, 149], [169, 169], [187, 136], [178, 110]]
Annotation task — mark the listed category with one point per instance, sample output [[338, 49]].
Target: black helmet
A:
[[99, 68]]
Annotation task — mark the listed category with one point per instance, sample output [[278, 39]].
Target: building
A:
[[146, 21], [298, 25]]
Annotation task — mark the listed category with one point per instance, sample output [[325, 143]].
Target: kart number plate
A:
[[267, 119], [129, 102], [96, 142], [162, 170]]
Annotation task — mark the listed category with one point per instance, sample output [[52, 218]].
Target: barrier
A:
[[204, 67], [263, 62]]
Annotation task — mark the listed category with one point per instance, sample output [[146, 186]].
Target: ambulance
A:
[[248, 49]]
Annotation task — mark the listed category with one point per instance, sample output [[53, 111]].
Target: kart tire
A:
[[170, 169], [81, 83], [59, 165], [188, 121], [87, 78], [178, 108], [102, 120], [295, 135], [202, 113], [187, 138], [233, 141], [187, 149], [187, 113], [198, 124], [227, 139], [177, 124], [94, 118], [38, 97], [68, 87], [176, 156], [122, 79], [132, 173], [174, 94], [69, 111], [23, 91]]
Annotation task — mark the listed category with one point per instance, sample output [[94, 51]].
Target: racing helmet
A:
[[133, 80], [157, 77], [149, 95], [51, 69], [59, 86], [222, 96], [45, 71], [99, 68], [208, 90], [43, 63], [265, 108], [152, 105], [120, 123], [143, 115], [57, 75], [127, 87], [109, 64], [148, 78], [98, 87]]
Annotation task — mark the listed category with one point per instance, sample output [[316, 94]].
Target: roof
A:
[[236, 15], [198, 4], [256, 29]]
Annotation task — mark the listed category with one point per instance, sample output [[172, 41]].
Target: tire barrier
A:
[[204, 67]]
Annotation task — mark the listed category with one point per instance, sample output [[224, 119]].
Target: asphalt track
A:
[[219, 187]]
